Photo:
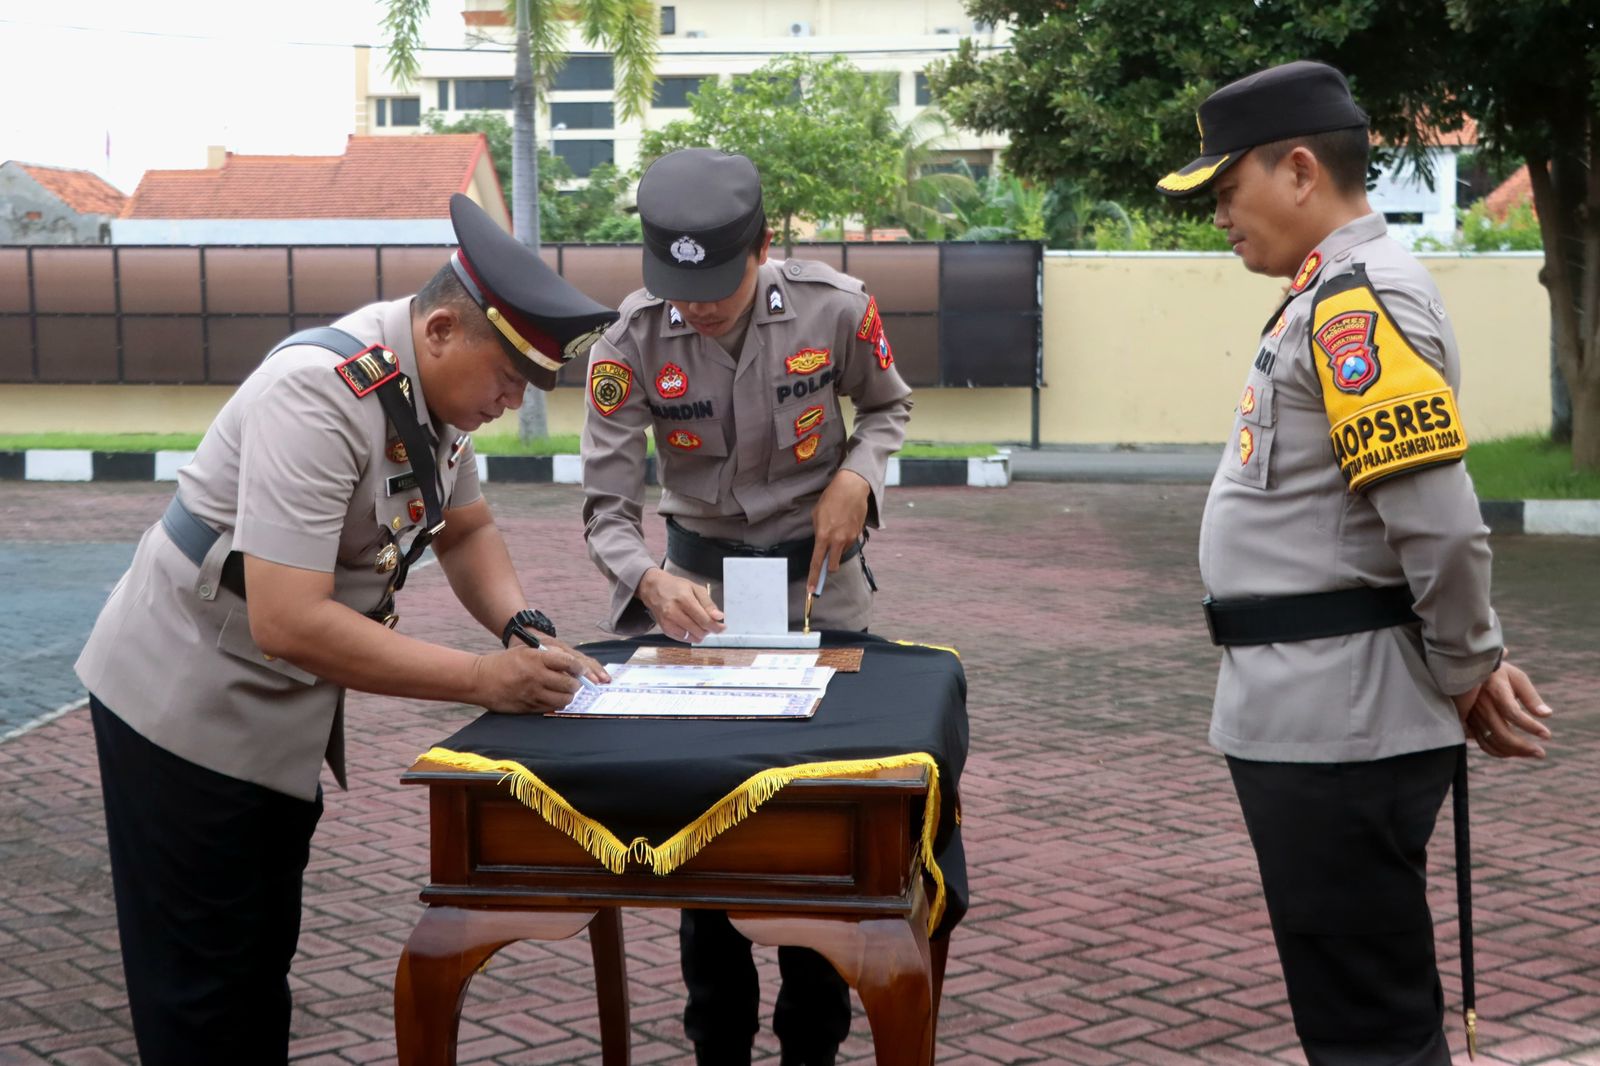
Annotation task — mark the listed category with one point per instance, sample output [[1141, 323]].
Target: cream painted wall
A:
[[1139, 349]]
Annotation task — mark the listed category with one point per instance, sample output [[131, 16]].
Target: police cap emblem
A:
[[687, 250]]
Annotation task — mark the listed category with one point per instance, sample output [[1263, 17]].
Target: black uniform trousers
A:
[[1343, 854], [206, 870], [812, 1015]]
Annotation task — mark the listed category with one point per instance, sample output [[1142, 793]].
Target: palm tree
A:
[[627, 28]]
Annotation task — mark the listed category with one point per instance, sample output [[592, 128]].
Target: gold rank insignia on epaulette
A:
[[368, 369], [1391, 411]]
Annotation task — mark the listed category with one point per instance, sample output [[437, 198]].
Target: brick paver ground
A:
[[1116, 917]]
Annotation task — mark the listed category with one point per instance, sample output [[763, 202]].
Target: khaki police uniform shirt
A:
[[1280, 518], [744, 447], [295, 470]]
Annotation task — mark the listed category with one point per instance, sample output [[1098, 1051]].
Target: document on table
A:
[[620, 701], [760, 676]]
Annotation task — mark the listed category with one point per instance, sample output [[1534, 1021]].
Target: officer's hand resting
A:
[[1494, 712], [838, 518], [682, 608], [523, 680]]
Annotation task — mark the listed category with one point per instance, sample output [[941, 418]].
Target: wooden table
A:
[[829, 864]]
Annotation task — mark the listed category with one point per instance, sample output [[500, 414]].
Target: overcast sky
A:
[[166, 78]]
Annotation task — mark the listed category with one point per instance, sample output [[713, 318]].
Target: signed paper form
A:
[[786, 691]]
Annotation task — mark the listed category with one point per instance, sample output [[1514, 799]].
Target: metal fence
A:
[[959, 314]]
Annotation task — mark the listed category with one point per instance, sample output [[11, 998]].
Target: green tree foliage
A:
[[1482, 232], [819, 130], [1104, 92]]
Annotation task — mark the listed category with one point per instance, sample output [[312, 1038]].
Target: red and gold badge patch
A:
[[672, 382], [609, 385], [1247, 402], [870, 323], [807, 448], [1247, 445], [1308, 270], [397, 452], [808, 360], [416, 510], [1282, 323], [1346, 341], [682, 438], [882, 350], [809, 420]]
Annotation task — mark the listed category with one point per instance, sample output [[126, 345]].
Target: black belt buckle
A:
[[1208, 605]]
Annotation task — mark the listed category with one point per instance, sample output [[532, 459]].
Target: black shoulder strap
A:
[[365, 374]]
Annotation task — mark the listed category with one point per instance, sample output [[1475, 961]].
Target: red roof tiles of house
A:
[[1517, 189], [85, 193], [377, 177]]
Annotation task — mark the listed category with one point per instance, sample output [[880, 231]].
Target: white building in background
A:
[[699, 39], [1412, 209]]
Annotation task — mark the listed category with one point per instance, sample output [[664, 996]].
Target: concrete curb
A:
[[37, 464]]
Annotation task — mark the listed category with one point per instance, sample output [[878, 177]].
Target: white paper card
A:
[[604, 701], [779, 659], [743, 677], [755, 595]]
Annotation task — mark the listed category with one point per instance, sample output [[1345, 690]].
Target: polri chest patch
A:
[[672, 382]]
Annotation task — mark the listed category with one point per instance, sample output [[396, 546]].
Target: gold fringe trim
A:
[[935, 647], [723, 815]]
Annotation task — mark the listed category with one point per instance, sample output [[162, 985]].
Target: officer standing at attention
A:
[[218, 667], [1348, 572], [738, 364]]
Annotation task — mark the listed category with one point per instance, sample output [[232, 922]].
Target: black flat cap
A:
[[543, 322], [1293, 100], [700, 209]]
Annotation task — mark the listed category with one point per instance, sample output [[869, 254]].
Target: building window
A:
[[1403, 218], [405, 111], [674, 91], [595, 116], [924, 97], [444, 95], [483, 94], [383, 111], [584, 156], [669, 20], [581, 73]]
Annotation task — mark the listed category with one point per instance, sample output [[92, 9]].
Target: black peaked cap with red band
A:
[[542, 321]]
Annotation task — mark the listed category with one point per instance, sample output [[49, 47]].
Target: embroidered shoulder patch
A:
[[367, 370], [869, 321], [609, 385], [1386, 418], [808, 360]]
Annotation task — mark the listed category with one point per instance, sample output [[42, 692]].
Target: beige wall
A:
[[1139, 349]]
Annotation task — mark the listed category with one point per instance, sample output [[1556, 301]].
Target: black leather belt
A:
[[704, 555], [1308, 616]]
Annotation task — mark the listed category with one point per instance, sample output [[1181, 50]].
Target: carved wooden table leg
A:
[[611, 986], [444, 951], [885, 960]]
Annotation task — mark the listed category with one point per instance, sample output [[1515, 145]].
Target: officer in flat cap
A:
[[738, 364], [1348, 573], [217, 669]]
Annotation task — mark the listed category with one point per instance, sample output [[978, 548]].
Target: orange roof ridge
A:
[[82, 190]]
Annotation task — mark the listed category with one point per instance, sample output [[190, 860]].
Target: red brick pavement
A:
[[1116, 914]]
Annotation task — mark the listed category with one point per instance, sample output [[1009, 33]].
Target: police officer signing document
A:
[[1348, 572], [218, 667], [738, 363]]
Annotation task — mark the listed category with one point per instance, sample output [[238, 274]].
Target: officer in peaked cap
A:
[[739, 364], [217, 668], [1347, 572], [542, 321]]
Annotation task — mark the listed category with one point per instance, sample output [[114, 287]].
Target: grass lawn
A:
[[1528, 468]]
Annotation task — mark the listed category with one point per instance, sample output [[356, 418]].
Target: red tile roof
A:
[[377, 177], [85, 193], [1517, 189]]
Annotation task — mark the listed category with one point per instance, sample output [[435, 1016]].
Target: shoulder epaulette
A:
[[365, 371], [633, 305], [813, 271]]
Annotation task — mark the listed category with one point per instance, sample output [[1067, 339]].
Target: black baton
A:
[[1469, 993]]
